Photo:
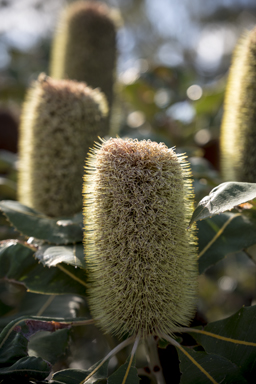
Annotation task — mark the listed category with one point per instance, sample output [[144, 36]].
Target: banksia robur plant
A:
[[60, 121], [141, 258], [238, 133], [84, 47]]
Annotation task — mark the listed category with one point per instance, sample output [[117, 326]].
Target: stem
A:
[[134, 349], [177, 345], [109, 355], [153, 360]]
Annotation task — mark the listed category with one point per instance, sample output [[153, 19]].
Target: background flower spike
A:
[[61, 119], [84, 47], [238, 134]]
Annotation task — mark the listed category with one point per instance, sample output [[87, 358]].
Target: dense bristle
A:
[[238, 135], [141, 258], [61, 119]]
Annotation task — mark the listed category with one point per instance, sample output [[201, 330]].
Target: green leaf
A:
[[233, 338], [76, 376], [118, 376], [69, 254], [27, 368], [49, 346], [34, 304], [15, 338], [204, 368], [223, 234], [35, 224], [19, 265], [222, 198]]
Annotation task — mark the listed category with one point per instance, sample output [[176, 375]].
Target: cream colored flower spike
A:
[[238, 132], [60, 121], [141, 259]]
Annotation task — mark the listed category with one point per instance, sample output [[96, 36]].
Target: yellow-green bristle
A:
[[142, 260]]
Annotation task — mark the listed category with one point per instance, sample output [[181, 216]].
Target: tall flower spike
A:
[[60, 121], [141, 259], [84, 47], [238, 133]]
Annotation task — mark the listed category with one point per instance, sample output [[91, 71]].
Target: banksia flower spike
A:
[[84, 47], [141, 259], [60, 121], [238, 133]]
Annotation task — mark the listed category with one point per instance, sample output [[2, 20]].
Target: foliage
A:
[[47, 333], [227, 347]]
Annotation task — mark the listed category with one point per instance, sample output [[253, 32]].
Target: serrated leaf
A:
[[204, 368], [28, 368], [32, 223], [130, 372], [53, 255], [18, 264], [233, 338], [222, 235], [76, 376], [222, 198]]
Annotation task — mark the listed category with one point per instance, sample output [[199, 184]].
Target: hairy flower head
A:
[[60, 121], [238, 133], [142, 261]]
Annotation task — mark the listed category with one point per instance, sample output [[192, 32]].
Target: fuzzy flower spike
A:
[[142, 261]]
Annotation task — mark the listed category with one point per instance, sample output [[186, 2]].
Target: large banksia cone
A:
[[141, 259], [60, 121], [238, 132], [84, 47]]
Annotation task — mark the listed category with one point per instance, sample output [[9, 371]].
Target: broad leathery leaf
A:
[[223, 234], [69, 254], [13, 348], [233, 338], [49, 346], [16, 335], [32, 304], [32, 223], [76, 376], [222, 198], [18, 264], [204, 368], [118, 376], [27, 368]]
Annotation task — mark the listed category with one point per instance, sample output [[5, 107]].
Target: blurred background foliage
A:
[[173, 59]]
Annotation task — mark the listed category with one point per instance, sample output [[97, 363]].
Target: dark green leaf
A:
[[28, 368], [240, 345], [35, 224], [49, 346], [222, 198], [204, 368], [66, 306], [76, 376], [118, 376], [70, 254], [18, 264], [223, 234], [13, 347]]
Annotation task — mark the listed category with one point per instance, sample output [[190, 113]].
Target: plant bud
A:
[[84, 47], [238, 139], [60, 121], [141, 258]]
